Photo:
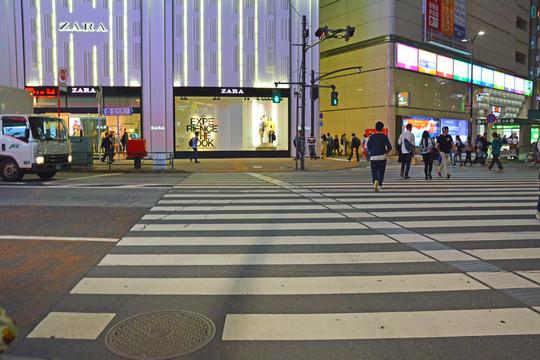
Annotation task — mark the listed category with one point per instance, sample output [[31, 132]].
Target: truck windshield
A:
[[48, 128]]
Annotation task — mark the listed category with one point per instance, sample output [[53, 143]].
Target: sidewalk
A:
[[225, 165]]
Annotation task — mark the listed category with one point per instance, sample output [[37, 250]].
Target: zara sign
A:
[[82, 27]]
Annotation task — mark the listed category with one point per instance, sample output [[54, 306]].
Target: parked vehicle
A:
[[32, 144]]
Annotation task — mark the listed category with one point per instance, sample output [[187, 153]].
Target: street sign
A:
[[320, 115], [62, 75], [491, 118], [117, 111], [62, 86]]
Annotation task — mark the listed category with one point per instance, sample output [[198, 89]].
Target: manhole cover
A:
[[160, 335]]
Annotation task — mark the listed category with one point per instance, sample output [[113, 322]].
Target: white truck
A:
[[32, 144]]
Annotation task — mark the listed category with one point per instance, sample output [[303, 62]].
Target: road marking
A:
[[503, 280], [284, 207], [263, 259], [68, 325], [84, 177], [55, 238], [246, 226], [254, 195], [468, 223], [382, 325], [534, 275], [238, 201], [278, 286], [254, 240], [258, 216], [426, 202], [506, 254], [487, 236], [420, 214]]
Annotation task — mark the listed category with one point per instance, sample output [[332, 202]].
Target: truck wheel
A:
[[46, 174], [10, 170]]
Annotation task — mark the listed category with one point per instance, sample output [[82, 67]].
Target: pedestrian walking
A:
[[445, 144], [330, 146], [297, 142], [483, 146], [344, 144], [324, 146], [427, 148], [406, 142], [193, 144], [108, 148], [476, 148], [538, 204], [378, 147], [459, 146], [124, 140], [468, 151], [337, 150], [355, 144], [496, 145], [364, 147], [311, 140]]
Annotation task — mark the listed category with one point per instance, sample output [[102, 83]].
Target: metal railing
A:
[[120, 160]]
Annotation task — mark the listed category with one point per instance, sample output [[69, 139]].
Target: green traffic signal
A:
[[334, 98], [276, 96]]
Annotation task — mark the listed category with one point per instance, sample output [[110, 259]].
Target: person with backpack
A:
[[193, 144], [496, 145], [355, 144], [427, 150], [406, 142]]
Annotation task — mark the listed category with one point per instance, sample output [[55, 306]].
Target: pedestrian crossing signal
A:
[[276, 96], [334, 98]]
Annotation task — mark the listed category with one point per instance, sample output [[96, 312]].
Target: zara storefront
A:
[[182, 65]]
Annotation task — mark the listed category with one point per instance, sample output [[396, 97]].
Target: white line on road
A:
[[487, 236], [248, 226], [255, 240], [427, 214], [382, 325], [68, 325], [278, 286], [468, 223], [506, 254], [263, 259]]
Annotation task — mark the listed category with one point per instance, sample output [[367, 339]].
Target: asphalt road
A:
[[318, 229]]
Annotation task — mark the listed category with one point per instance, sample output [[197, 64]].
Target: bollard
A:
[[137, 162]]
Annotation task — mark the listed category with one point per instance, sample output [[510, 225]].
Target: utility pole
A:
[[302, 145]]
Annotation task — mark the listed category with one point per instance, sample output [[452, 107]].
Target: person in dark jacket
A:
[[108, 148], [378, 147], [330, 147], [336, 146], [355, 144], [496, 152]]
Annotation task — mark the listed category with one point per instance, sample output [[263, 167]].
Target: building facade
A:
[[180, 66], [416, 58]]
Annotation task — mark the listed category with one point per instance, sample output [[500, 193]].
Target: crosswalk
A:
[[281, 259]]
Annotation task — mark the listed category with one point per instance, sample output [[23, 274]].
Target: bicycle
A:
[[531, 159]]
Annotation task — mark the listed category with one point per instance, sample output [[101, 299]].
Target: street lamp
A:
[[471, 40]]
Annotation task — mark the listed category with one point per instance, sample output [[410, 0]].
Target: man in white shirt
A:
[[406, 141]]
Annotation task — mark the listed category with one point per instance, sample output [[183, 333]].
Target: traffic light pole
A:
[[301, 144]]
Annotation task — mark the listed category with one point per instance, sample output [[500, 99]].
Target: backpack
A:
[[191, 142], [535, 149], [408, 146]]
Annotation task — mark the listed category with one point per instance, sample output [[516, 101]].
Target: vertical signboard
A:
[[460, 14], [447, 17], [433, 8]]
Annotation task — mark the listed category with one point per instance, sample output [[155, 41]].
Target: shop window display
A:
[[231, 124]]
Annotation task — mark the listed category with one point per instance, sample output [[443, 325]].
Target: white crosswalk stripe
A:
[[257, 243]]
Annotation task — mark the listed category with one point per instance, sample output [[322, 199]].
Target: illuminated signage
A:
[[407, 57], [427, 62], [43, 91], [498, 80], [83, 90], [82, 27], [403, 99], [487, 77], [528, 88], [445, 66], [232, 91], [206, 127], [477, 75], [519, 85], [461, 71], [509, 83], [419, 124]]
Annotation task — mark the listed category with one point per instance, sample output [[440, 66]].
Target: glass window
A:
[[14, 127], [231, 124]]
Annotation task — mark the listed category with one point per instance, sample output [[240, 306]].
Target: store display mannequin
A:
[[271, 127], [262, 127]]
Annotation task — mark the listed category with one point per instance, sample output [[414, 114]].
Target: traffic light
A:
[[333, 98], [322, 32], [349, 32], [276, 96]]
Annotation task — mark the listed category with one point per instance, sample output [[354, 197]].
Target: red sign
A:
[[62, 74], [370, 132], [491, 118], [43, 91], [433, 10]]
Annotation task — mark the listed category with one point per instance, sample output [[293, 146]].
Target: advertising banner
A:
[[447, 17], [433, 8], [460, 14], [456, 127], [419, 124], [427, 62], [407, 57]]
